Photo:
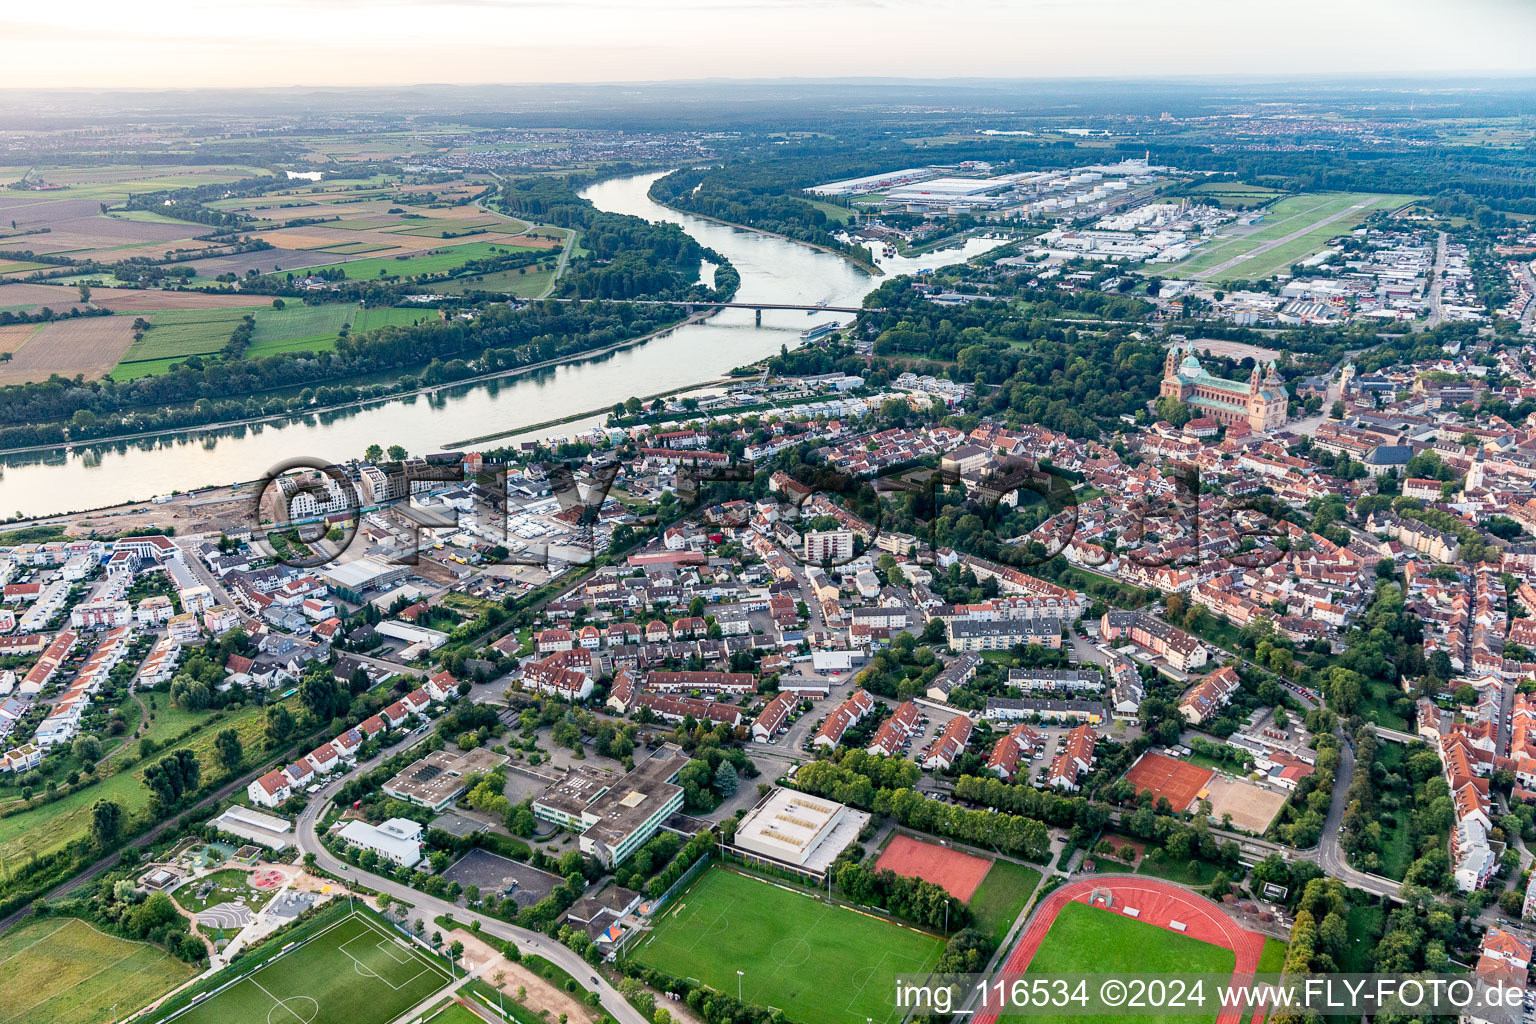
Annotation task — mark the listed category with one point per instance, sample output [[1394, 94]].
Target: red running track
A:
[[1159, 904]]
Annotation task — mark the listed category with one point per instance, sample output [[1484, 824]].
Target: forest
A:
[[754, 194], [1029, 368]]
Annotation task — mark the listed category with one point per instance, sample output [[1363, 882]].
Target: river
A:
[[772, 270]]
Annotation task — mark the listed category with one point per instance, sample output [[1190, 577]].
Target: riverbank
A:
[[869, 268], [368, 403], [573, 417]]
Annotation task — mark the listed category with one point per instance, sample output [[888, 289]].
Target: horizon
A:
[[182, 45], [1396, 77]]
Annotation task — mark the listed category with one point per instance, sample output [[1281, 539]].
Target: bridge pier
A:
[[759, 313]]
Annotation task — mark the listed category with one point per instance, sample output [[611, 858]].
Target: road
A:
[[565, 257], [1437, 288], [529, 225], [1394, 735], [205, 576], [430, 907], [1330, 855], [1528, 315]]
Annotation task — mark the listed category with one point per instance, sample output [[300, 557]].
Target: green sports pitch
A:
[[818, 963], [355, 971], [1085, 939]]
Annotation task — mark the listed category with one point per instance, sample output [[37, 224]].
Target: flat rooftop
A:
[[807, 831], [636, 797], [437, 779], [573, 794]]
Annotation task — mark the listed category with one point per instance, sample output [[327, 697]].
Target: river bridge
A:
[[757, 307]]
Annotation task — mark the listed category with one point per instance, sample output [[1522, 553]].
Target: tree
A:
[[172, 778], [373, 453], [106, 824], [456, 949], [320, 694], [228, 749], [279, 724], [725, 779], [87, 748], [397, 453], [190, 693], [85, 291]]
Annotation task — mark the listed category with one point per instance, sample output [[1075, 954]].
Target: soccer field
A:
[[1085, 939], [354, 972], [820, 964]]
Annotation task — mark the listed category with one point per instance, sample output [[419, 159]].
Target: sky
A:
[[246, 43]]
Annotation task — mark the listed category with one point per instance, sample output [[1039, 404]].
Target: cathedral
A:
[[1259, 403]]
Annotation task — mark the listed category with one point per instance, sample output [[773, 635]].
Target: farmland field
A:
[[437, 228], [277, 332], [13, 336], [75, 224], [375, 317], [129, 179], [296, 328], [356, 971], [300, 321], [363, 223], [63, 971], [185, 332], [144, 368], [89, 346], [525, 286], [816, 962], [120, 300], [357, 248], [433, 262]]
